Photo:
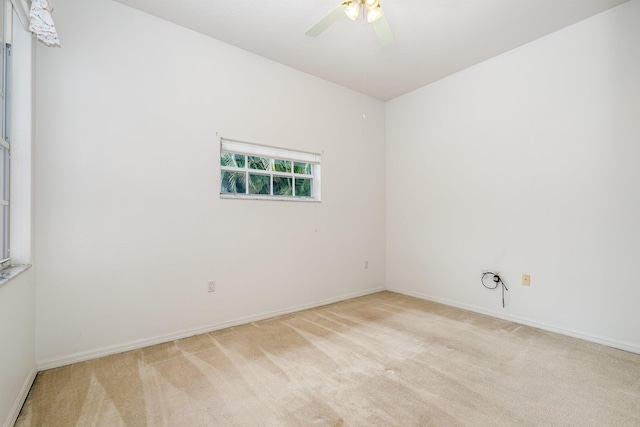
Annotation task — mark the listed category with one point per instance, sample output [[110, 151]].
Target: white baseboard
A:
[[633, 348], [22, 396], [134, 345]]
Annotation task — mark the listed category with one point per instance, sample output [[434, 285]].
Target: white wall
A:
[[526, 163], [129, 222], [17, 336]]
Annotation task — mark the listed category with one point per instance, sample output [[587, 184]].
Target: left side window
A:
[[5, 134]]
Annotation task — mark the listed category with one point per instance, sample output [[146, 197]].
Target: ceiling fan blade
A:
[[383, 30], [326, 22]]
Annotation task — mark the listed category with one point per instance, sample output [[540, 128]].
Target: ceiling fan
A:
[[352, 8]]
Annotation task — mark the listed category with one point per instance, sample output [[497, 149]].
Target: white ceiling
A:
[[433, 38]]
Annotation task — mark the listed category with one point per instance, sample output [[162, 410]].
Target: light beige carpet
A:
[[380, 360]]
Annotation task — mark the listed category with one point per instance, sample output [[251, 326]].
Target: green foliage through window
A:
[[256, 175]]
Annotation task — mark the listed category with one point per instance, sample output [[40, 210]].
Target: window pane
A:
[[259, 184], [303, 187], [4, 230], [232, 160], [282, 186], [260, 163], [4, 173], [282, 165], [233, 182], [303, 168], [3, 83]]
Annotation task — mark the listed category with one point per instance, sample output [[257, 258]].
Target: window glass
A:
[[4, 181], [232, 160], [233, 182], [259, 163], [259, 184], [302, 168], [4, 229], [282, 165], [282, 186], [303, 187]]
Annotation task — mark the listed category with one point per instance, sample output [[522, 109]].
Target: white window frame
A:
[[271, 153], [5, 125]]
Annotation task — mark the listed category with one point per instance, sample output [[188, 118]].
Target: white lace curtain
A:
[[35, 15]]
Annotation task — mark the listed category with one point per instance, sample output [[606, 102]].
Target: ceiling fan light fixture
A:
[[370, 9], [352, 9], [374, 14]]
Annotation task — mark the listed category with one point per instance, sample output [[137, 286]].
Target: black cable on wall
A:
[[496, 280]]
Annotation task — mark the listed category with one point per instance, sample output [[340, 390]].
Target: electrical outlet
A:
[[366, 265], [526, 279], [212, 286]]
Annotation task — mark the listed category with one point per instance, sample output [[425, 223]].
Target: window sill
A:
[[258, 197], [11, 272]]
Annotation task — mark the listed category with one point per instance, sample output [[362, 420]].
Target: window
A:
[[5, 120], [261, 172]]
